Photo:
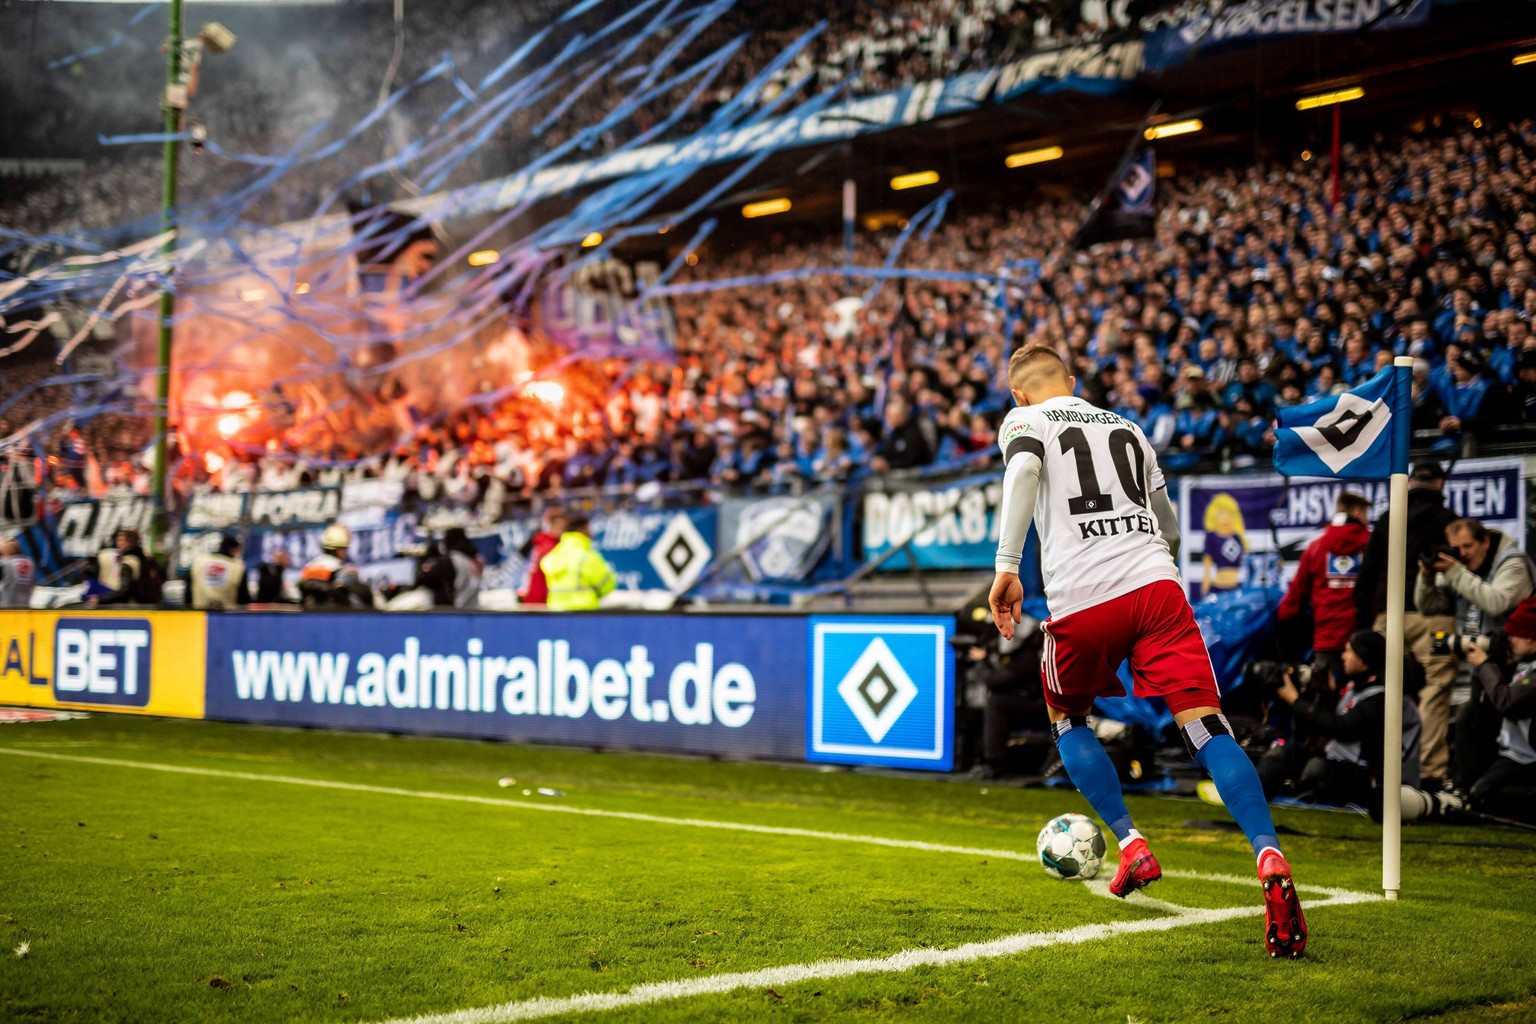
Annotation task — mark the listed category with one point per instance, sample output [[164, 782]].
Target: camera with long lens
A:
[[1270, 675], [1458, 644]]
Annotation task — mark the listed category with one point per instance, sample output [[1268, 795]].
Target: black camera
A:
[[1270, 675], [1434, 551], [1443, 642]]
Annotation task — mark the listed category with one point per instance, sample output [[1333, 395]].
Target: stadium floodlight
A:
[[594, 238], [1033, 156], [1171, 128], [1329, 99], [1523, 58], [484, 258], [765, 208], [917, 179]]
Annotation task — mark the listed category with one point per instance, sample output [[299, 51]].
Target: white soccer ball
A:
[[1071, 846]]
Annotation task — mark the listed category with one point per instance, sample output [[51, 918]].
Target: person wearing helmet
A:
[[329, 578]]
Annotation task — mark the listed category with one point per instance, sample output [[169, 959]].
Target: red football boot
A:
[[1138, 868], [1285, 930]]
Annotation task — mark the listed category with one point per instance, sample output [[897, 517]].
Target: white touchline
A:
[[767, 977], [594, 812], [526, 805]]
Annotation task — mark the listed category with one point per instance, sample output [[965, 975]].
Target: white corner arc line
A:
[[790, 974]]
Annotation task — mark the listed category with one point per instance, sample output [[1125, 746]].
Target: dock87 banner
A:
[[958, 520], [1250, 531]]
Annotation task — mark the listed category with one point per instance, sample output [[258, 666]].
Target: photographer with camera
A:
[[1337, 753], [1485, 568], [1427, 519], [1489, 575], [1505, 673]]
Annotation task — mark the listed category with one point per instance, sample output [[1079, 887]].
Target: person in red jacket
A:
[[1325, 580], [539, 545]]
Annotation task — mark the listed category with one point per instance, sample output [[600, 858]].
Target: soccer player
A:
[[1108, 540]]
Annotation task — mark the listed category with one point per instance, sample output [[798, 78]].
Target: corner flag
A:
[[1360, 435], [1364, 435]]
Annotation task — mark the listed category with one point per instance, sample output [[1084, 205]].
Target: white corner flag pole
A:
[[1397, 585]]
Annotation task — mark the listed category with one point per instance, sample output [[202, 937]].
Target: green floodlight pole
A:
[[167, 297]]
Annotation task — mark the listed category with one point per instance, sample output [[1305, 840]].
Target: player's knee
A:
[[1061, 728], [1200, 731]]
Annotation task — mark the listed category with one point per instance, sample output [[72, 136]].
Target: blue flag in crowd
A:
[[1359, 435]]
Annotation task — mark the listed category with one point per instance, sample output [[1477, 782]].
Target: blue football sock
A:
[[1238, 783], [1094, 775]]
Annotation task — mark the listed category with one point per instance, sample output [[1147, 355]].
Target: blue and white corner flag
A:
[[1360, 435]]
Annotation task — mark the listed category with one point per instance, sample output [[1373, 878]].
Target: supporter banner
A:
[[1092, 68], [665, 549], [961, 518], [1236, 529], [148, 663], [360, 495], [213, 512], [85, 527], [784, 537], [319, 506], [1254, 20], [359, 501], [376, 548], [501, 546], [729, 685]]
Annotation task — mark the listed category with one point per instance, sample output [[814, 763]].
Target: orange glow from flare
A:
[[547, 391], [213, 461], [236, 400], [230, 425]]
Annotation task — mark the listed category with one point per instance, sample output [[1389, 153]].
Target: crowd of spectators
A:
[[279, 81], [1250, 298]]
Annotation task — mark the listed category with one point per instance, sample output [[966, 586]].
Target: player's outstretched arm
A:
[[1021, 483]]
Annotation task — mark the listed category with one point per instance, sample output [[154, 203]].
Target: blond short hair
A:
[[1034, 364]]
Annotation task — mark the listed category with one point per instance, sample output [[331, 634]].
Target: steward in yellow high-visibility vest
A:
[[578, 576]]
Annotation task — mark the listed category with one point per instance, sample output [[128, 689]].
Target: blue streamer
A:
[[925, 220], [129, 140], [117, 40]]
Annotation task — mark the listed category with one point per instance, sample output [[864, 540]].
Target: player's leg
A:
[[1169, 660], [1073, 667], [1209, 739]]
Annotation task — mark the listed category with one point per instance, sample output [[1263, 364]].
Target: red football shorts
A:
[[1154, 627]]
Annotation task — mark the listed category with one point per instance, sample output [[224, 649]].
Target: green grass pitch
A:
[[141, 895]]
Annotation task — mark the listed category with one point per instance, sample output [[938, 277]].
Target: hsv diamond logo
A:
[[680, 553], [881, 691], [877, 689], [1348, 432]]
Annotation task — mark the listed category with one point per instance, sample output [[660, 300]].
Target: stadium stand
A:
[[1243, 302]]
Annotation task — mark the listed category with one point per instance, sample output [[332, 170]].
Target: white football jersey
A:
[[1099, 538]]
